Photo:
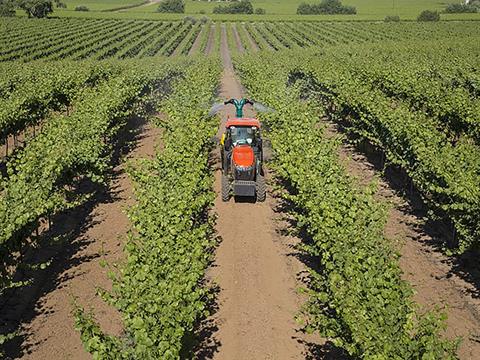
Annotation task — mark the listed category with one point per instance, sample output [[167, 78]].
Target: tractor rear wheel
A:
[[261, 188], [225, 188]]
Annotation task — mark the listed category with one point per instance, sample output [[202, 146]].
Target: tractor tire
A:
[[261, 188], [225, 188]]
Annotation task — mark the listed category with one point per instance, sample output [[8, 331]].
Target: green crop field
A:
[[365, 7], [121, 237], [101, 5], [275, 9]]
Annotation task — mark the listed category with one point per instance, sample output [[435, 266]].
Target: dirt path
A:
[[238, 41], [433, 275], [99, 233], [257, 299], [151, 2], [211, 41]]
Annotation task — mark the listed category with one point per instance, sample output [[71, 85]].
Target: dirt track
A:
[[211, 41], [238, 41], [257, 300]]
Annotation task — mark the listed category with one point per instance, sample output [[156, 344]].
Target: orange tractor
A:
[[242, 160]]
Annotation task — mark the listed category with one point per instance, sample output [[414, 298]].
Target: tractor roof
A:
[[242, 122]]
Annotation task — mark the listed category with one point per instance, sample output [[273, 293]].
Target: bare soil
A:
[[255, 270], [437, 279], [238, 41], [96, 231], [211, 41]]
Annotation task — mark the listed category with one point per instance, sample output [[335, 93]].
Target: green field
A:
[[276, 9], [116, 194], [364, 7], [101, 5]]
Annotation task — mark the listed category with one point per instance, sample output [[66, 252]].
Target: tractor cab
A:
[[242, 159], [242, 135], [243, 132]]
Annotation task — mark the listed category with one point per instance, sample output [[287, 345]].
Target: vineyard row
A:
[[56, 39]]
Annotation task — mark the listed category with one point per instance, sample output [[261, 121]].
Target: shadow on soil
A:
[[285, 209], [60, 244], [436, 235], [205, 345], [327, 351]]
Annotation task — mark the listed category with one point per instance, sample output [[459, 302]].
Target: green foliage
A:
[[429, 15], [456, 8], [204, 36], [326, 7], [357, 297], [260, 11], [242, 33], [235, 7], [28, 39], [257, 38], [184, 47], [190, 19], [7, 8], [232, 44], [4, 338], [422, 115], [175, 41], [159, 291], [171, 6], [37, 8], [60, 5], [32, 92], [72, 147], [392, 18], [81, 8]]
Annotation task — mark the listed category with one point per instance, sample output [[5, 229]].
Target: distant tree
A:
[[190, 19], [7, 8], [81, 8], [235, 7], [36, 8], [428, 15], [304, 9], [325, 7], [172, 6], [260, 11], [392, 18], [472, 7]]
